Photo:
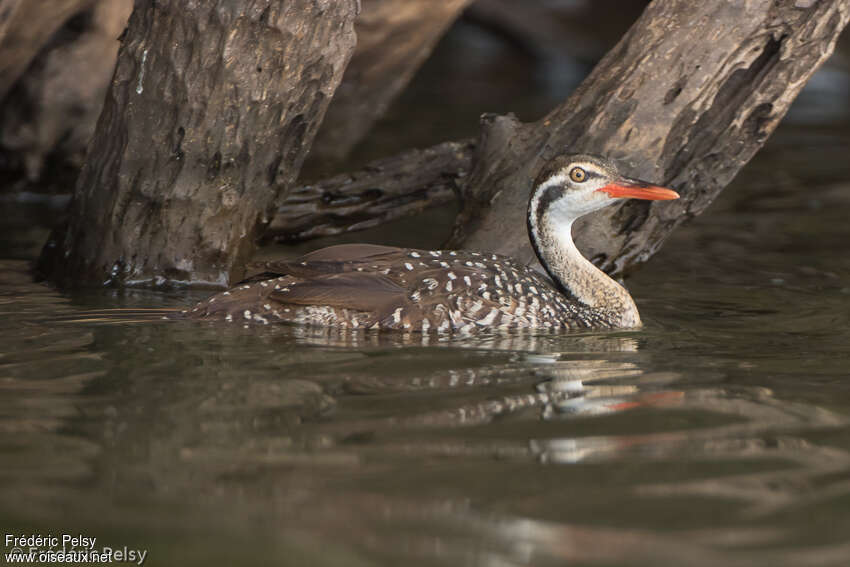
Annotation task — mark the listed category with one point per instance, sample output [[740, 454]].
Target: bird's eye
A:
[[578, 175]]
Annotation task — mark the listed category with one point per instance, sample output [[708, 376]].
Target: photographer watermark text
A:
[[28, 549]]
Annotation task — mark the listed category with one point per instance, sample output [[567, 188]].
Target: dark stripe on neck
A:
[[536, 226], [549, 196]]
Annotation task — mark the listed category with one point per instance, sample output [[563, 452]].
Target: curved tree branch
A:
[[686, 98]]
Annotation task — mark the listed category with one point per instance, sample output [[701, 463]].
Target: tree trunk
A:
[[211, 111], [686, 98], [394, 37]]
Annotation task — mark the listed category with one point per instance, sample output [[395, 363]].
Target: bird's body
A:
[[380, 287], [360, 286]]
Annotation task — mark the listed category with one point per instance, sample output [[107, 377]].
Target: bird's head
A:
[[572, 185]]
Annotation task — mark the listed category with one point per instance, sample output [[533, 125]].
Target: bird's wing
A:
[[360, 291], [330, 260], [351, 253]]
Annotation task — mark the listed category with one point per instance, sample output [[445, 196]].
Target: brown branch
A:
[[211, 111], [384, 190], [686, 98]]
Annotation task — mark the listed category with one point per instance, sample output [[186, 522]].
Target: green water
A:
[[717, 435]]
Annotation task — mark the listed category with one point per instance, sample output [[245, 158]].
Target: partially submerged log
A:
[[211, 111], [194, 145], [394, 37], [686, 98]]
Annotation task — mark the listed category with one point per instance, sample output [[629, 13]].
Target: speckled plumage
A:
[[359, 286], [417, 290]]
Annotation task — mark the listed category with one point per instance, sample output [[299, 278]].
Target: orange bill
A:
[[634, 189]]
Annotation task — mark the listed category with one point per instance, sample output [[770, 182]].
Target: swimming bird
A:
[[365, 286]]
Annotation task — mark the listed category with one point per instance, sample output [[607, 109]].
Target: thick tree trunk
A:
[[394, 37], [686, 98], [211, 111], [51, 111]]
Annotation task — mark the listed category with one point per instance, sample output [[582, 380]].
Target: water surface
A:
[[717, 435]]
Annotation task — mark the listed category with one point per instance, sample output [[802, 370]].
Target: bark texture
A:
[[378, 193], [686, 98], [51, 111], [211, 111], [394, 37]]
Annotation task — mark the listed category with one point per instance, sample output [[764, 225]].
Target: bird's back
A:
[[360, 286]]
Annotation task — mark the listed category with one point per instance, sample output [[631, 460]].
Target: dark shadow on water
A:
[[204, 441], [716, 435]]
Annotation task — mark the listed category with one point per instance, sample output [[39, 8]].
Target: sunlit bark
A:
[[686, 98], [211, 111]]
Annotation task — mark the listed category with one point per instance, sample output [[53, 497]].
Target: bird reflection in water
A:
[[546, 385]]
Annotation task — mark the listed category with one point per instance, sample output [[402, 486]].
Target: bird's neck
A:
[[576, 276]]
